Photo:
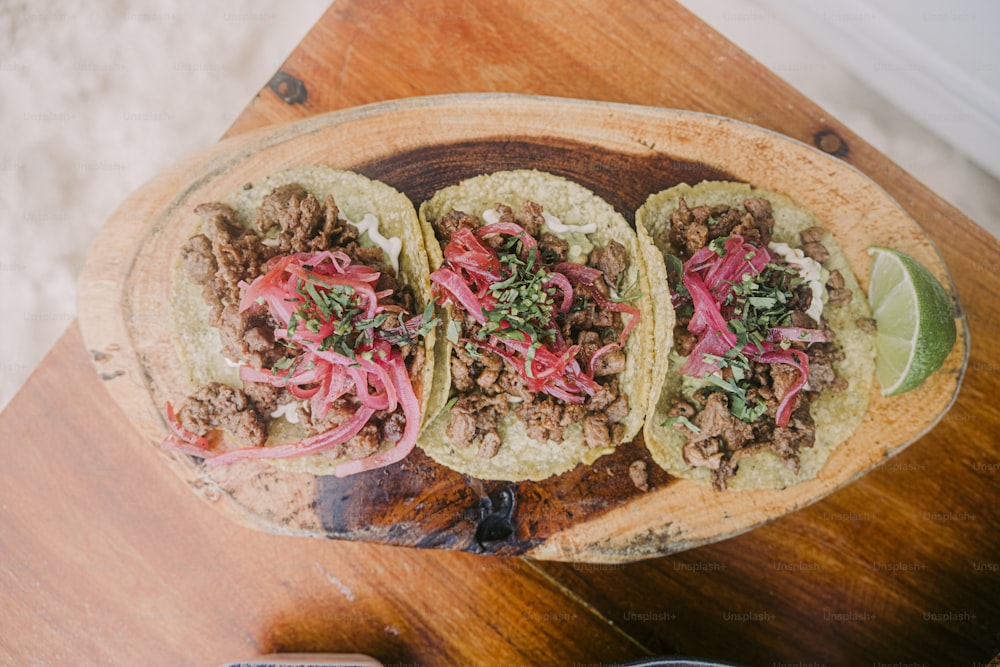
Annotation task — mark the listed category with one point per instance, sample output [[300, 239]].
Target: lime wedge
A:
[[915, 319]]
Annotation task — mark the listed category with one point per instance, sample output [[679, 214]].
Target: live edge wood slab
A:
[[108, 558], [420, 144]]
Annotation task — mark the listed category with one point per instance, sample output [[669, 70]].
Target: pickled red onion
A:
[[709, 278], [471, 268], [376, 373]]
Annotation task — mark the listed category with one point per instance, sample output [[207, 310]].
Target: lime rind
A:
[[915, 319]]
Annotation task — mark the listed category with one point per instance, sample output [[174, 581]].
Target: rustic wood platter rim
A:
[[130, 236]]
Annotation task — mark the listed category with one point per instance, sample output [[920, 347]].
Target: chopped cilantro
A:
[[754, 305], [681, 419], [333, 309], [718, 245], [284, 363], [454, 331], [523, 306]]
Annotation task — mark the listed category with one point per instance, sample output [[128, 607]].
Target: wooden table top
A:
[[107, 557]]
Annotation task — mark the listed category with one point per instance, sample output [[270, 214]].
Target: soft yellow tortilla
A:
[[836, 414], [198, 344], [521, 457]]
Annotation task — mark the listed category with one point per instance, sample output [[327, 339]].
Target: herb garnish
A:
[[523, 307], [681, 419], [322, 306], [753, 306]]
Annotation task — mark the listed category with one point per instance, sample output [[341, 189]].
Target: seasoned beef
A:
[[572, 413], [306, 225], [339, 411], [822, 374], [489, 445], [530, 217], [684, 340], [759, 209], [681, 409], [788, 441], [782, 376], [367, 441], [689, 229], [469, 373], [606, 319], [475, 416], [715, 420], [448, 224], [226, 254], [513, 384], [595, 431], [393, 426], [266, 398], [802, 319], [723, 440], [816, 251], [553, 248], [462, 425], [703, 453], [487, 379], [200, 268], [462, 378], [693, 229], [216, 405], [756, 225], [248, 336], [604, 397], [609, 363], [199, 262], [487, 388], [812, 235], [363, 444], [290, 208], [618, 410], [239, 253], [542, 417], [579, 318], [612, 259], [839, 296], [638, 472]]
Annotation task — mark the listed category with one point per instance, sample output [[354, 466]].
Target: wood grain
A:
[[625, 153], [145, 573], [109, 559]]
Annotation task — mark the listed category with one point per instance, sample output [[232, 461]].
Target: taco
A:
[[772, 359], [546, 327], [301, 313]]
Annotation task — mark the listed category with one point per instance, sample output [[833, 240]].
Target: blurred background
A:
[[96, 99]]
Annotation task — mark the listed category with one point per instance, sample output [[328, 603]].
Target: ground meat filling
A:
[[485, 389], [720, 440], [215, 406], [227, 253]]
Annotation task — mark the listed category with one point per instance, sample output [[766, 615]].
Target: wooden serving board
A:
[[622, 152]]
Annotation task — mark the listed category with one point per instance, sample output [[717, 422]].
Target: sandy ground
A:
[[97, 98]]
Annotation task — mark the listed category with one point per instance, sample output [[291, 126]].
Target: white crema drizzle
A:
[[369, 224], [390, 246], [555, 225], [289, 411], [809, 269]]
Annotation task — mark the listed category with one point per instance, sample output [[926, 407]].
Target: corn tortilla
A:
[[521, 457], [836, 414], [198, 344]]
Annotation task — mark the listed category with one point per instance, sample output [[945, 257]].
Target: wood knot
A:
[[496, 518], [290, 89], [830, 142]]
